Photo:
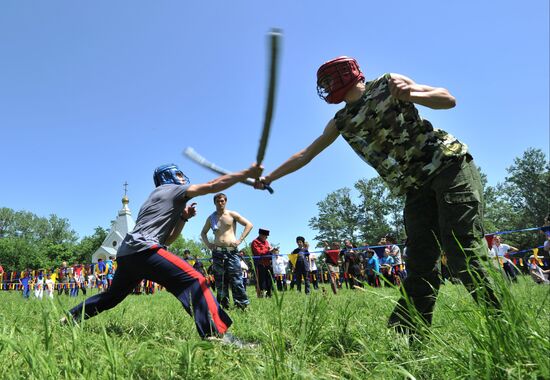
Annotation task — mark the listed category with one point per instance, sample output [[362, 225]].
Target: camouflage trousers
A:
[[228, 272], [446, 214]]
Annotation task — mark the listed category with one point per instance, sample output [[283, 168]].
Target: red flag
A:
[[489, 239], [333, 254]]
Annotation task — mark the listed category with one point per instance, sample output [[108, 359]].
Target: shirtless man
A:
[[225, 254]]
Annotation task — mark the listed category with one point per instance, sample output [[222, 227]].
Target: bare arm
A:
[[304, 156], [404, 88], [204, 234], [223, 182], [243, 222]]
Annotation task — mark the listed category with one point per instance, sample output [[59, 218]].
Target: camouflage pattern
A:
[[228, 272], [390, 135]]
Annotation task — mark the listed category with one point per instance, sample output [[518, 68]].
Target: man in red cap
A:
[[261, 250]]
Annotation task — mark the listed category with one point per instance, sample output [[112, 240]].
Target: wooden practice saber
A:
[[274, 39], [193, 155]]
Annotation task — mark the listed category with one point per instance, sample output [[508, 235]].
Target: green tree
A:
[[380, 211], [197, 248], [32, 241], [527, 187], [522, 200], [59, 231], [88, 245], [527, 190], [497, 212], [337, 219]]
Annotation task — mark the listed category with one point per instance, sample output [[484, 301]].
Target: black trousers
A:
[[446, 213], [265, 278], [173, 273]]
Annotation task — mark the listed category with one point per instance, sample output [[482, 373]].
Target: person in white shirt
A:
[[49, 286], [244, 269], [538, 275], [395, 252], [279, 269], [499, 252], [39, 286], [313, 271], [546, 232]]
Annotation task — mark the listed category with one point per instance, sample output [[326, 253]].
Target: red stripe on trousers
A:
[[212, 305]]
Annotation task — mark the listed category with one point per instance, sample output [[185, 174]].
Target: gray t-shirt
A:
[[156, 219], [396, 253]]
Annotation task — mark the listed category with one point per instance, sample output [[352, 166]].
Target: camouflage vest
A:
[[390, 135]]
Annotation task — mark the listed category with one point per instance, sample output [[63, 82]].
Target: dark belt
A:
[[225, 249]]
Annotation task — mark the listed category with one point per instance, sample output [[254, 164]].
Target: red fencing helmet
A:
[[336, 77]]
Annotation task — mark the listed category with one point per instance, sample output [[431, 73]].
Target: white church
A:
[[119, 228]]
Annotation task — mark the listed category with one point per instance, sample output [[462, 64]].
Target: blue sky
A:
[[93, 94]]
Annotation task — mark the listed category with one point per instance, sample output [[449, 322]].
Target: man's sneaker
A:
[[68, 321], [232, 340], [241, 306]]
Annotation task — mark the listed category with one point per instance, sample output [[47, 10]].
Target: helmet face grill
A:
[[324, 86], [336, 77], [166, 174]]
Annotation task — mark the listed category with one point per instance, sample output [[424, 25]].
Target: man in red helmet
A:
[[444, 195]]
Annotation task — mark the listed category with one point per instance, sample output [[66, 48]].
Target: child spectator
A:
[[386, 264], [372, 268], [279, 270], [538, 275], [301, 269], [24, 281], [39, 286], [49, 285], [244, 269], [313, 271]]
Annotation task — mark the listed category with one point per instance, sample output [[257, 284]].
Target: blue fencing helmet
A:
[[165, 174]]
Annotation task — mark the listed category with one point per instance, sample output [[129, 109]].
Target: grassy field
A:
[[321, 336]]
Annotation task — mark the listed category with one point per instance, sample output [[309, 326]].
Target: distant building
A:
[[119, 228]]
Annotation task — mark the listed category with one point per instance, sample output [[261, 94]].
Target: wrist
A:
[[184, 219]]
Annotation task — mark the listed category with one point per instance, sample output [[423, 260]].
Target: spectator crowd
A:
[[341, 265]]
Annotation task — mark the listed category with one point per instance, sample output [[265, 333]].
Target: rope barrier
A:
[[543, 228], [374, 247]]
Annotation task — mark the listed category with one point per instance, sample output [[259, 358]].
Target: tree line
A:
[[30, 241], [522, 200]]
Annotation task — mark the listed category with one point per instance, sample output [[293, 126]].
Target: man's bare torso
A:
[[224, 236]]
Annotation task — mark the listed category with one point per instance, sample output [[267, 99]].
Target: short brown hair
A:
[[220, 195]]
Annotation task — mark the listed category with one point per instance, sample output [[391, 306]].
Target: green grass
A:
[[321, 336]]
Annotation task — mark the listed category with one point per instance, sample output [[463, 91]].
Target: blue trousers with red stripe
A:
[[173, 273]]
